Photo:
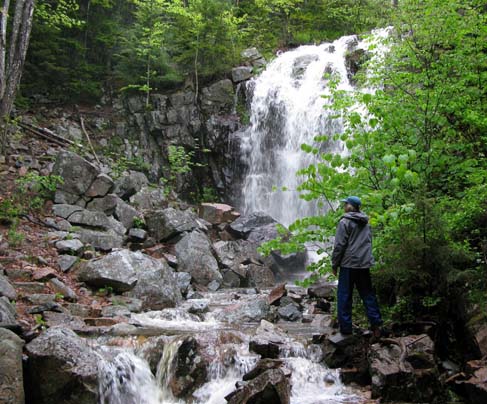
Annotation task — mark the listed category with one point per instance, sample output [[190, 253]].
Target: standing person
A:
[[352, 255]]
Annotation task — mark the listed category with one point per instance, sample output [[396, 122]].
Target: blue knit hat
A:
[[354, 201]]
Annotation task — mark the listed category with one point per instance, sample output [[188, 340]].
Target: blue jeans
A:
[[349, 278]]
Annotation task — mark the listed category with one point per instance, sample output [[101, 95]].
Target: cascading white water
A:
[[287, 110]]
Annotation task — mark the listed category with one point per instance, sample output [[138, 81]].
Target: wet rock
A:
[[354, 60], [301, 64], [323, 289], [218, 98], [190, 369], [77, 173], [268, 340], [149, 198], [125, 214], [11, 374], [231, 254], [253, 311], [62, 368], [184, 280], [66, 262], [115, 270], [8, 315], [271, 386], [475, 385], [260, 276], [290, 313], [244, 225], [100, 186], [195, 256], [157, 285], [107, 204], [241, 73], [101, 240], [129, 185], [199, 306], [73, 246], [167, 223], [404, 369], [6, 288], [59, 287]]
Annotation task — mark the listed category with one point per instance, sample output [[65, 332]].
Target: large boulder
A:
[[115, 270], [271, 386], [246, 312], [218, 98], [149, 198], [6, 288], [8, 315], [404, 369], [231, 254], [268, 340], [130, 184], [107, 204], [125, 214], [62, 368], [100, 186], [217, 213], [11, 375], [195, 256], [167, 223], [77, 174], [89, 218], [241, 73], [260, 276], [244, 225], [157, 286], [101, 240]]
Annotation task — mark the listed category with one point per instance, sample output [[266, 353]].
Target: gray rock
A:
[[79, 310], [73, 246], [11, 374], [268, 340], [107, 204], [231, 254], [138, 235], [6, 289], [149, 198], [290, 313], [260, 276], [115, 311], [115, 270], [195, 257], [199, 306], [59, 287], [271, 386], [130, 184], [89, 218], [64, 210], [125, 214], [262, 234], [116, 226], [214, 285], [217, 213], [157, 285], [167, 223], [29, 287], [400, 364], [100, 186], [244, 225], [41, 298], [322, 289], [131, 303], [251, 54], [101, 240], [253, 311], [301, 64], [77, 173], [62, 368], [7, 315], [218, 98], [184, 280], [241, 73]]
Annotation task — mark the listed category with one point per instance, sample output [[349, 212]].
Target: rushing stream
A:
[[127, 378]]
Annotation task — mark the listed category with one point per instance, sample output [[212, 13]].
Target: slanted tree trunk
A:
[[13, 50]]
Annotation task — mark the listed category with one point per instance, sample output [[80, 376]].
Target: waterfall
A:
[[288, 109]]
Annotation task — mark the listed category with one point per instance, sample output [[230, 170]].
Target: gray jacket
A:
[[353, 242]]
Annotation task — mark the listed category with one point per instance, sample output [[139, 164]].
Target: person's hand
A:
[[335, 271]]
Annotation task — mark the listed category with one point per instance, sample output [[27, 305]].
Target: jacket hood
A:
[[359, 217]]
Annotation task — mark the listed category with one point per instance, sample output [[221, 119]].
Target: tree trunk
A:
[[18, 42]]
